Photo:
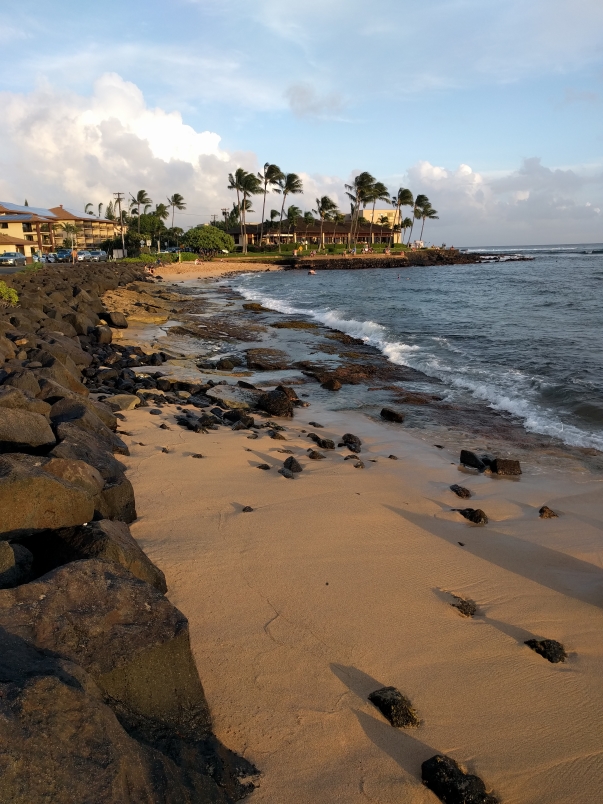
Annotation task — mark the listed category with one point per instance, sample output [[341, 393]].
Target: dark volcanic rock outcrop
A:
[[452, 785]]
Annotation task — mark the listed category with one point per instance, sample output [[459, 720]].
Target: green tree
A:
[[358, 192], [88, 209], [309, 221], [69, 231], [8, 295], [337, 217], [406, 223], [325, 206], [208, 241], [244, 184], [290, 184], [293, 215], [427, 212], [110, 213], [139, 200], [403, 198], [420, 202], [270, 177], [176, 202], [378, 192]]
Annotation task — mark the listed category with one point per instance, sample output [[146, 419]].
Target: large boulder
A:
[[267, 359], [123, 632], [116, 500], [234, 397], [115, 319], [16, 399], [23, 431], [15, 564], [59, 345], [77, 473], [24, 380], [32, 500], [67, 408], [60, 375], [70, 415], [82, 446], [62, 743], [105, 540]]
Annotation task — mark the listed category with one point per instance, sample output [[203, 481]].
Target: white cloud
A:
[[71, 149]]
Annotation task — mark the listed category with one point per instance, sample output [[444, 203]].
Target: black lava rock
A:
[[293, 465], [475, 515], [316, 456], [392, 415], [352, 442], [461, 491], [468, 608], [470, 459], [504, 466], [395, 707], [248, 509], [547, 513], [286, 473], [550, 649], [263, 466], [452, 785]]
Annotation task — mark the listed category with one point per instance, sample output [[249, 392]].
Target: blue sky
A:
[[492, 108]]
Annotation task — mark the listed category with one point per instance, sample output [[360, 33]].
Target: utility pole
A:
[[214, 219], [118, 198], [225, 213]]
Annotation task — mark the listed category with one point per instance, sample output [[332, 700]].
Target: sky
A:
[[492, 108]]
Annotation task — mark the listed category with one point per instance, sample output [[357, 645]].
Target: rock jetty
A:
[[101, 700]]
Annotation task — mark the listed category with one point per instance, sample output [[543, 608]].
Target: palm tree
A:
[[250, 185], [378, 192], [235, 182], [337, 217], [88, 209], [309, 221], [70, 232], [274, 216], [403, 198], [357, 192], [161, 211], [100, 210], [420, 202], [290, 184], [139, 200], [324, 207], [427, 211], [405, 224], [176, 202], [293, 215], [271, 176]]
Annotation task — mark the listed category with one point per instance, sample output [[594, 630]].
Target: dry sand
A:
[[336, 584], [206, 270]]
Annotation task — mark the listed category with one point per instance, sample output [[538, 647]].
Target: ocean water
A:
[[523, 337]]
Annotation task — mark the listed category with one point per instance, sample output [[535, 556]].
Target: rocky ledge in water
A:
[[101, 700]]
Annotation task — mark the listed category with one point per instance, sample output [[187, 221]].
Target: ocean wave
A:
[[482, 384]]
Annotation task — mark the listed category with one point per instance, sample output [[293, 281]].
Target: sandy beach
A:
[[182, 271], [339, 582]]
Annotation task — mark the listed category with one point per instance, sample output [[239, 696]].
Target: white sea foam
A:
[[508, 391]]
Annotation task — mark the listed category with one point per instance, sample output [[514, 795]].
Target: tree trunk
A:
[[322, 240], [263, 211], [422, 227], [280, 224], [412, 225], [372, 220], [243, 219]]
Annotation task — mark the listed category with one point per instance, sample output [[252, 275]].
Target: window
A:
[[3, 225], [29, 237], [27, 227]]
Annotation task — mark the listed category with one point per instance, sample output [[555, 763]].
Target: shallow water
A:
[[525, 337]]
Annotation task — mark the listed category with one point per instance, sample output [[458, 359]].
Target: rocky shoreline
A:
[[100, 697]]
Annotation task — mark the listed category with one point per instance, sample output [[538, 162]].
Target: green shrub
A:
[[208, 241], [8, 296]]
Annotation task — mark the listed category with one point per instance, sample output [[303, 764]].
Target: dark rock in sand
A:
[[115, 319], [352, 442], [197, 455], [278, 402], [286, 473], [293, 465], [15, 565], [248, 385], [332, 384], [116, 500], [468, 608], [316, 456], [461, 491], [547, 513], [475, 515], [393, 457], [470, 459], [452, 785], [32, 500], [359, 465], [316, 424], [323, 443], [395, 707], [155, 412], [248, 509], [392, 415], [263, 466], [550, 649], [22, 431], [505, 466]]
